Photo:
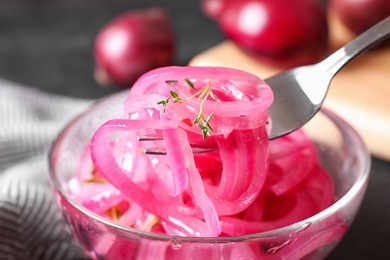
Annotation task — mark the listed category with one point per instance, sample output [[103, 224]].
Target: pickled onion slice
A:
[[171, 187], [246, 185]]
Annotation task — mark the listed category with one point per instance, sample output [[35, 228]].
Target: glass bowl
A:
[[342, 153]]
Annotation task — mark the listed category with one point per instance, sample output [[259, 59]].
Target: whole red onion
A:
[[283, 32], [360, 15], [132, 44]]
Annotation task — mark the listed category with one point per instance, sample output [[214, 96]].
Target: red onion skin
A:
[[132, 44], [281, 32], [360, 15]]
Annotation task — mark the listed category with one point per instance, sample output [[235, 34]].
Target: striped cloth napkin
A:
[[31, 225]]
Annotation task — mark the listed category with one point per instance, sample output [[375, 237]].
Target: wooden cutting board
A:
[[359, 93]]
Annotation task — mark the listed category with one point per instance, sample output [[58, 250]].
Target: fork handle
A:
[[341, 57]]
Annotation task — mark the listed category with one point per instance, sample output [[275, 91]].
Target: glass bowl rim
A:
[[340, 203]]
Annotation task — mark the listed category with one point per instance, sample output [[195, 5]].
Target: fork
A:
[[161, 150], [300, 92]]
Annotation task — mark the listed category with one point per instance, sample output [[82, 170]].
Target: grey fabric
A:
[[31, 225]]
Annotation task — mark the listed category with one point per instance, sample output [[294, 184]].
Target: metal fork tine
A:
[[150, 137], [162, 150]]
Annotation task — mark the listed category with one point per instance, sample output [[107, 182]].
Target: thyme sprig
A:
[[201, 120], [164, 103], [205, 124]]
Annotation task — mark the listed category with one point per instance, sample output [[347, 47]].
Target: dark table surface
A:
[[48, 45]]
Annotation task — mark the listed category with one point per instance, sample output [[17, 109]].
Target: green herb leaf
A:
[[207, 123], [205, 131], [164, 103], [189, 83], [196, 120], [209, 118], [173, 94]]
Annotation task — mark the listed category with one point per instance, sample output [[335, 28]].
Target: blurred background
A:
[[48, 44]]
